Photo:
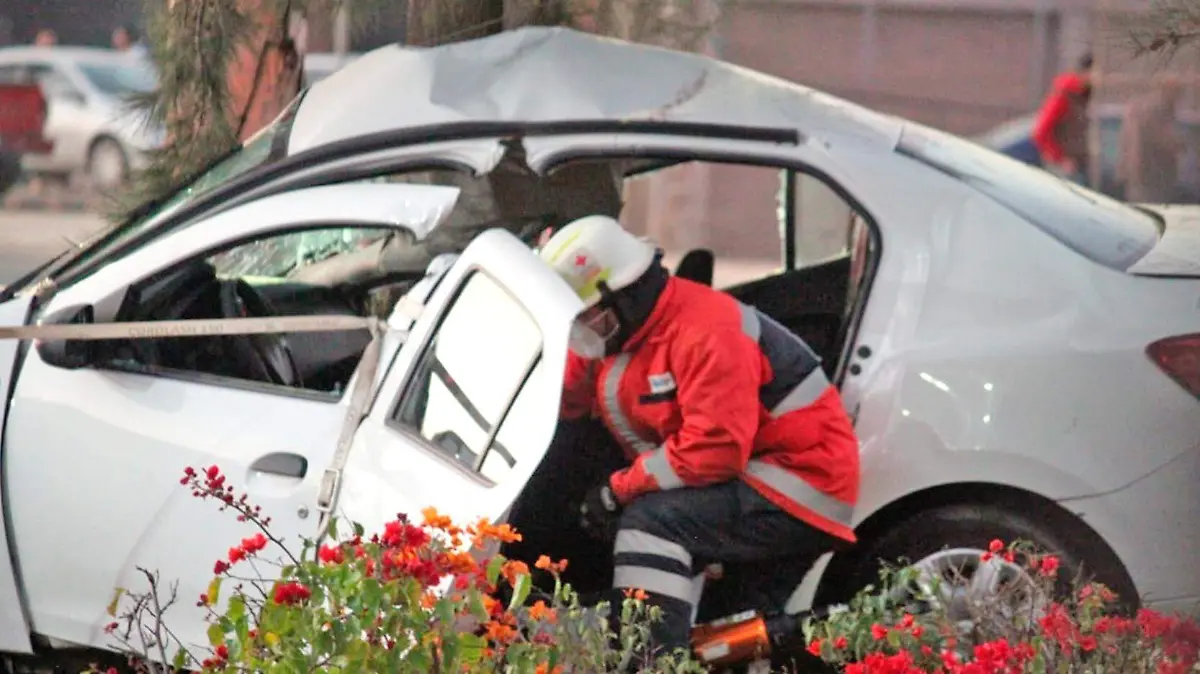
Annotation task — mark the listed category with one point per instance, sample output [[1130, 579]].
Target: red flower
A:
[[1087, 644], [220, 567], [212, 472], [236, 554], [1049, 565], [222, 652], [878, 631], [331, 554], [815, 647], [398, 534], [292, 593], [255, 543], [995, 546], [840, 643]]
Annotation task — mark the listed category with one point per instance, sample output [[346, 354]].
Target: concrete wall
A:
[[960, 65]]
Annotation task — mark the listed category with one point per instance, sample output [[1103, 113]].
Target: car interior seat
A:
[[697, 265]]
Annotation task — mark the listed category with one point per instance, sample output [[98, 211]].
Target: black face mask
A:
[[634, 303]]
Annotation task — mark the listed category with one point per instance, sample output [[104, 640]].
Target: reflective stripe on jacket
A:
[[711, 390]]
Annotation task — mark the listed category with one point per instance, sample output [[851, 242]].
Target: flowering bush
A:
[[411, 598], [921, 623]]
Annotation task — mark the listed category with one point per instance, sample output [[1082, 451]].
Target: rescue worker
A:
[[742, 454]]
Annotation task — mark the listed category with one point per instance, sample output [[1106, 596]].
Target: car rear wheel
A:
[[107, 165], [947, 542]]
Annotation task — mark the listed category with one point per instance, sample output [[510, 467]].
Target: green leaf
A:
[[180, 659], [493, 569], [332, 529], [520, 591], [116, 600], [216, 635], [478, 610], [471, 646], [237, 608], [214, 590], [358, 528]]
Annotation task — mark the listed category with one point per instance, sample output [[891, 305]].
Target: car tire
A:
[[963, 527], [107, 164]]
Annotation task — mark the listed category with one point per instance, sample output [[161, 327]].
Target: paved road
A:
[[28, 238]]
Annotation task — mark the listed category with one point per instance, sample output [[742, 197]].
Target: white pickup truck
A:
[[1018, 353]]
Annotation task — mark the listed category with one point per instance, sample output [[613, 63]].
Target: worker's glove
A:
[[599, 512]]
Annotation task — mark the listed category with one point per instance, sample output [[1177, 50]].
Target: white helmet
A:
[[595, 249]]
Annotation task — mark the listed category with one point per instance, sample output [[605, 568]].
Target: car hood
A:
[[1177, 252], [545, 75]]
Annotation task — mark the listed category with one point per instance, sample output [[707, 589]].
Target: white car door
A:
[[93, 456], [470, 404]]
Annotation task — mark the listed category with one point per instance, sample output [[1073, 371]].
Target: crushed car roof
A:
[[540, 74]]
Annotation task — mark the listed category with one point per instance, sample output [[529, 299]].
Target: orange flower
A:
[[542, 613], [459, 563], [638, 595], [436, 520], [492, 605], [500, 633], [428, 601], [513, 569], [484, 530], [544, 668], [545, 564]]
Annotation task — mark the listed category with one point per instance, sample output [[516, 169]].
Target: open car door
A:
[[93, 454], [470, 405]]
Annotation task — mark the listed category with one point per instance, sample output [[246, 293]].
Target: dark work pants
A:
[[666, 538]]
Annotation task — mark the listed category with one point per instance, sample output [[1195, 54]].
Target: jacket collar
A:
[[652, 330]]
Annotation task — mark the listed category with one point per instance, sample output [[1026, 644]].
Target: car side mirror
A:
[[70, 354]]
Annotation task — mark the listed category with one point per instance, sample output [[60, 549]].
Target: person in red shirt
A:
[[741, 452], [1061, 128]]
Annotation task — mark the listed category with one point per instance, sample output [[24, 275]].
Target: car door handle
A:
[[282, 463]]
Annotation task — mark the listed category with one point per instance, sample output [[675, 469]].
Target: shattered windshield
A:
[[279, 256], [266, 146]]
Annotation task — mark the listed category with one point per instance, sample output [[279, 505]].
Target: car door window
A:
[[256, 278], [465, 393], [55, 85]]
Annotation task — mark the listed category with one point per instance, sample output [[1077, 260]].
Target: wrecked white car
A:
[[1019, 353]]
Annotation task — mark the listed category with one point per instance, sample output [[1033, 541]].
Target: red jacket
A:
[[710, 390], [1047, 129]]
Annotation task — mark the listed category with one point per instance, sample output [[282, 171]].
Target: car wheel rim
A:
[[108, 165], [966, 586]]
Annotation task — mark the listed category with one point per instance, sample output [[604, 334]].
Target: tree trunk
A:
[[265, 76]]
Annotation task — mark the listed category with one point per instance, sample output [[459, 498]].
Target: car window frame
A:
[[392, 423], [224, 381]]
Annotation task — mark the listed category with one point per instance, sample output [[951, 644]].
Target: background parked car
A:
[[93, 130], [22, 122], [1014, 138]]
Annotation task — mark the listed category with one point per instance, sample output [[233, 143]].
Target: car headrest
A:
[[697, 265]]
